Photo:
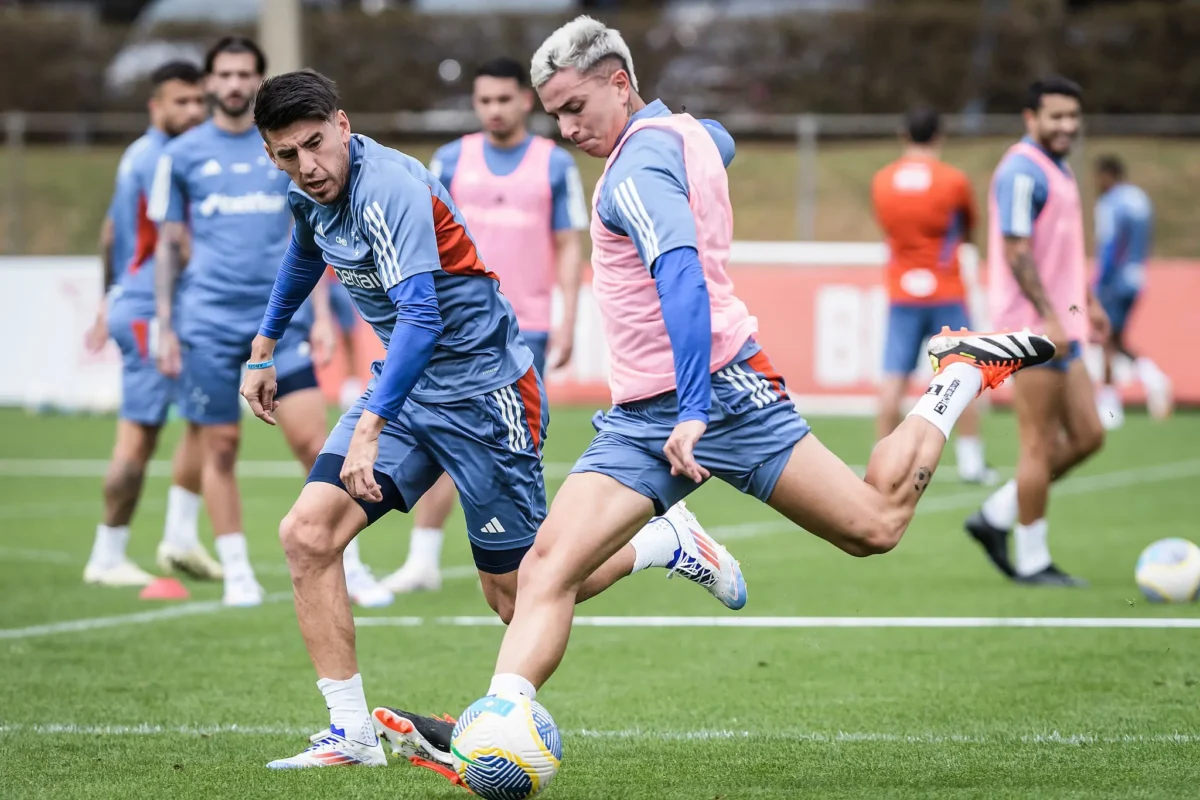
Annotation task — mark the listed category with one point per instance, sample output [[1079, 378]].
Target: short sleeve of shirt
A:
[[566, 193], [444, 160], [1021, 189], [168, 189], [645, 195], [394, 211]]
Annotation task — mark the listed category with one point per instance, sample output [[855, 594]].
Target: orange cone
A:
[[165, 589]]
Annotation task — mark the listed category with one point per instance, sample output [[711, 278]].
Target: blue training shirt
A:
[[569, 209], [394, 223], [235, 201], [134, 236], [1021, 189], [1124, 229]]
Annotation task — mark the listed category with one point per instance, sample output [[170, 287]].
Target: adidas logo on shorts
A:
[[493, 526]]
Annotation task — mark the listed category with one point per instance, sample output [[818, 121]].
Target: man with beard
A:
[[217, 179], [523, 201], [1037, 273]]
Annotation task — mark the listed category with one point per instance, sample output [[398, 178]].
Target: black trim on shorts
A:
[[298, 381], [498, 562], [328, 469]]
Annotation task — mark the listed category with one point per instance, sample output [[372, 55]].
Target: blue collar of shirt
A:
[[657, 108], [157, 134]]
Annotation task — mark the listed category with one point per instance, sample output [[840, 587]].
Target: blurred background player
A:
[[926, 210], [127, 250], [1037, 274], [218, 178], [345, 315], [523, 201], [1124, 228]]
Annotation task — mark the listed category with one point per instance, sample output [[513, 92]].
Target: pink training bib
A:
[[511, 220], [640, 351], [1058, 252]]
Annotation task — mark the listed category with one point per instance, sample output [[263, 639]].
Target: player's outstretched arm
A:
[[168, 208], [97, 334], [569, 220]]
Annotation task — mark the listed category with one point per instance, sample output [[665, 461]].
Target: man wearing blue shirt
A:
[[1124, 231], [127, 316]]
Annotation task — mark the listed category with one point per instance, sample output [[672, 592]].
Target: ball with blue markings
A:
[[1168, 571], [506, 748]]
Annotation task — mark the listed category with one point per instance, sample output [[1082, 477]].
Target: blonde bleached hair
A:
[[583, 43]]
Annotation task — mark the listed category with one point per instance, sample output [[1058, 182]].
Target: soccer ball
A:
[[1168, 571], [506, 748]]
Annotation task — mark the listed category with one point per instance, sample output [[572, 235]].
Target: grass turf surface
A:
[[147, 710], [63, 192]]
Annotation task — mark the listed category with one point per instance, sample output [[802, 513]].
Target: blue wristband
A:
[[261, 364]]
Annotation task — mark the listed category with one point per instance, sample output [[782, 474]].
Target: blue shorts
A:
[[1117, 305], [1062, 363], [489, 444], [752, 429], [909, 325], [342, 306], [212, 375], [146, 394], [537, 341]]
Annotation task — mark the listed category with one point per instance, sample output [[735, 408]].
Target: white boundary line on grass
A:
[[806, 622], [121, 620], [834, 737], [957, 501]]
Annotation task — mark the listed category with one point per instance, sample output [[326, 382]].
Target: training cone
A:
[[165, 589]]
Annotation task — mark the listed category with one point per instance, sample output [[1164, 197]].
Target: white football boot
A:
[[331, 748], [364, 590], [123, 573], [195, 562], [704, 561], [414, 578]]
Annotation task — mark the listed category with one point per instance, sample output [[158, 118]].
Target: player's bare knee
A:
[[882, 535], [307, 540]]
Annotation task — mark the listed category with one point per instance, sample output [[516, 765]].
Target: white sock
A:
[[968, 451], [1033, 554], [351, 559], [425, 548], [109, 548], [949, 393], [231, 549], [1000, 509], [655, 545], [348, 708], [1108, 397], [183, 513], [1149, 374], [510, 683]]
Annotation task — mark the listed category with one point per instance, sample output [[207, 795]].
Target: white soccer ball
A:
[[1168, 571], [506, 748]]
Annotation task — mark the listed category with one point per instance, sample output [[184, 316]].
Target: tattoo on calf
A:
[[921, 479]]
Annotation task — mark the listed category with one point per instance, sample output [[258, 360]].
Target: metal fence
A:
[[808, 131]]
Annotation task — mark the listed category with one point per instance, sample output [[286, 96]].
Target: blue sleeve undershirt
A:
[[418, 328], [298, 275], [683, 293]]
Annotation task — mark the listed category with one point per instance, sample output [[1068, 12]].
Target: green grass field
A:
[[62, 192], [190, 700]]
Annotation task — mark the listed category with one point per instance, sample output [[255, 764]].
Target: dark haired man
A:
[[926, 209], [1037, 275], [127, 316], [216, 180]]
